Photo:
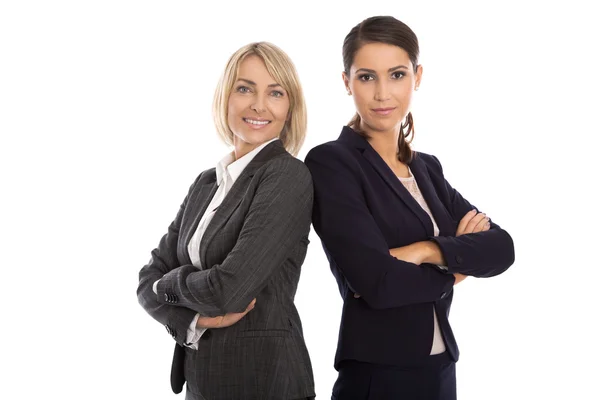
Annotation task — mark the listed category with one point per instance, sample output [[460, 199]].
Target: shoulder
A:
[[429, 160], [329, 149], [207, 176], [333, 156], [287, 170], [431, 164]]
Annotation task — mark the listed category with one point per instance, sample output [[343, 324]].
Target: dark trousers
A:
[[434, 380]]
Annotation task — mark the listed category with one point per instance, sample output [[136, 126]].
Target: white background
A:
[[105, 120]]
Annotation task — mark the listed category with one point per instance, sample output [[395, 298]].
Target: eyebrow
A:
[[249, 82], [372, 71]]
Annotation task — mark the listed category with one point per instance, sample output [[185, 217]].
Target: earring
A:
[[349, 93], [417, 88]]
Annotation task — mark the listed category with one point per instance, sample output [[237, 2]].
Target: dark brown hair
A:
[[391, 31]]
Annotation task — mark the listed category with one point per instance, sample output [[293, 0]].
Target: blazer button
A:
[[206, 335], [174, 298], [167, 298], [458, 259]]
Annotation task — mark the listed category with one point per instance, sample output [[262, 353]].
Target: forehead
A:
[[380, 57], [253, 68]]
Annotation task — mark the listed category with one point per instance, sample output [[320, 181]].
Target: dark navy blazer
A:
[[361, 210]]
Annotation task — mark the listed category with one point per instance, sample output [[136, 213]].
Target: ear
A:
[[418, 76], [346, 80]]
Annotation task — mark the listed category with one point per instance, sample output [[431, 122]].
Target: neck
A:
[[241, 148], [385, 143]]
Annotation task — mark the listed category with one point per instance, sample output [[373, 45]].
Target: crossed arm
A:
[[384, 277]]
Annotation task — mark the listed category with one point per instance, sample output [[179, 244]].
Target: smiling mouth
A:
[[256, 121]]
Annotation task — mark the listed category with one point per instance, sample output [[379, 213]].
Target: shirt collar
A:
[[236, 167]]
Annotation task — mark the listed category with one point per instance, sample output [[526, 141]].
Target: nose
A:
[[258, 104], [382, 91]]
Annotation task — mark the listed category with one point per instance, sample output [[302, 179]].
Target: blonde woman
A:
[[222, 279]]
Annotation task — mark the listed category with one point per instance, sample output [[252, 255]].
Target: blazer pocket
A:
[[265, 333]]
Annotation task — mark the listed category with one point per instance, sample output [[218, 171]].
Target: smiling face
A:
[[382, 80], [258, 106]]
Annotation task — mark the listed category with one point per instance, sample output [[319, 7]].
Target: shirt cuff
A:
[[194, 333], [154, 287]]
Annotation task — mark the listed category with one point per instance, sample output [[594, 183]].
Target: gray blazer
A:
[[253, 248]]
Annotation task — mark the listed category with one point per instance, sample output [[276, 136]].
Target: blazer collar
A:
[[436, 206], [352, 138], [233, 167], [235, 195], [196, 206]]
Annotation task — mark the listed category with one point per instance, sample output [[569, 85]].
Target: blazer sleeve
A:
[[164, 259], [482, 254], [353, 240], [278, 218]]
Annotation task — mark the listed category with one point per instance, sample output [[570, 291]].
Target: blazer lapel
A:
[[235, 195], [350, 137], [441, 215], [195, 208], [394, 183], [231, 201]]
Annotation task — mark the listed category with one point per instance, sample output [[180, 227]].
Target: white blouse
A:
[[410, 184]]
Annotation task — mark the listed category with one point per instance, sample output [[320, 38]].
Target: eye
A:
[[398, 75], [366, 77], [277, 93], [243, 89]]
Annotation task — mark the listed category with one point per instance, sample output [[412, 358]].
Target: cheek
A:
[[234, 108], [362, 105], [361, 98], [404, 93], [280, 110], [231, 108]]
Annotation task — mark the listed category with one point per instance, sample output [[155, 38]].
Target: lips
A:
[[383, 110], [256, 123]]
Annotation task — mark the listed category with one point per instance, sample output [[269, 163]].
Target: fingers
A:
[[458, 278], [250, 306], [224, 321], [473, 222], [483, 225], [464, 221]]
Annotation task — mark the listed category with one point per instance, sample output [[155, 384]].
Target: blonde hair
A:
[[281, 68]]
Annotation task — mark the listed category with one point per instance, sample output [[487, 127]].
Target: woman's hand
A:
[[458, 278], [224, 321], [413, 253], [473, 222], [417, 253]]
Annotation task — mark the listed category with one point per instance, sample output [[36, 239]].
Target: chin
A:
[[381, 126], [256, 139]]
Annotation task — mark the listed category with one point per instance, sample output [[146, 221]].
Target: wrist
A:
[[430, 252], [200, 323]]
